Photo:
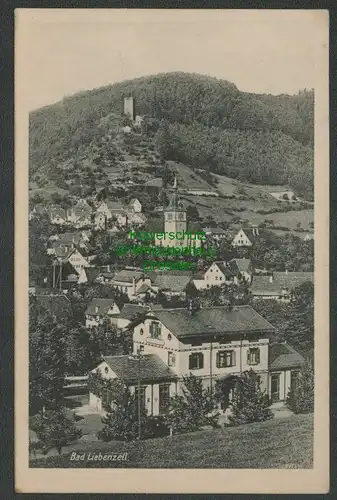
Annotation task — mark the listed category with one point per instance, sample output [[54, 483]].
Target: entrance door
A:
[[275, 387]]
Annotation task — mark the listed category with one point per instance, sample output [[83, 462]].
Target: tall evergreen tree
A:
[[300, 398], [46, 362], [250, 403]]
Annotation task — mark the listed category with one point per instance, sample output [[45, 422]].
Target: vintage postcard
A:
[[171, 251]]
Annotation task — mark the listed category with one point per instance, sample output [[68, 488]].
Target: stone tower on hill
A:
[[129, 107]]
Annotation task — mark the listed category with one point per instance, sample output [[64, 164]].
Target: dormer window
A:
[[155, 330]]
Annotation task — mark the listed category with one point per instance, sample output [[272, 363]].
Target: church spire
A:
[[175, 203]]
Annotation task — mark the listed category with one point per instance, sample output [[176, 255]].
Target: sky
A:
[[61, 52]]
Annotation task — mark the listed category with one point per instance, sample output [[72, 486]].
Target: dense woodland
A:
[[201, 121]]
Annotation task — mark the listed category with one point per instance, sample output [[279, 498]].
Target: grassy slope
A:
[[281, 443]]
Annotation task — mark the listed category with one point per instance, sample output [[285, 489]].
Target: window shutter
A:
[[233, 358], [201, 360], [190, 362], [217, 360], [257, 356], [248, 357]]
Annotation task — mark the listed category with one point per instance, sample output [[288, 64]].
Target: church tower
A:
[[175, 217]]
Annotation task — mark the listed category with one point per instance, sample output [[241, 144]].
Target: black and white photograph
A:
[[172, 250]]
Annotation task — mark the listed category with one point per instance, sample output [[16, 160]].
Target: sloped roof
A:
[[143, 289], [214, 230], [114, 205], [172, 283], [262, 285], [291, 280], [81, 211], [69, 237], [156, 182], [127, 276], [103, 306], [223, 268], [132, 311], [240, 265], [133, 200], [283, 356], [55, 210], [149, 368], [213, 320]]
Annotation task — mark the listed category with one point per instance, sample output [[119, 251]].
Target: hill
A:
[[195, 120], [278, 443]]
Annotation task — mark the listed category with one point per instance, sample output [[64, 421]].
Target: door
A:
[[275, 387]]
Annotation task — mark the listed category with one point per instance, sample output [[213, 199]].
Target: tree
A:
[[192, 213], [46, 361], [39, 262], [55, 430], [300, 398], [194, 409], [121, 421], [249, 403]]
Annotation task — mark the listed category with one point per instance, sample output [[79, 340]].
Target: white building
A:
[[213, 343]]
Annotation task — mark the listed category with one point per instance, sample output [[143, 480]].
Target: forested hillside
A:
[[198, 120]]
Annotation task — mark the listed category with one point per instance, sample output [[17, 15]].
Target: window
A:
[[220, 278], [155, 330], [164, 397], [169, 337], [171, 359], [141, 348], [253, 356], [216, 277], [196, 361], [141, 331], [106, 369], [142, 397], [224, 359]]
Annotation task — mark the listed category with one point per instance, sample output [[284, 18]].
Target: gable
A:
[[105, 370]]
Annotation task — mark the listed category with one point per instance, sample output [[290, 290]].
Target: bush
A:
[[55, 430]]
